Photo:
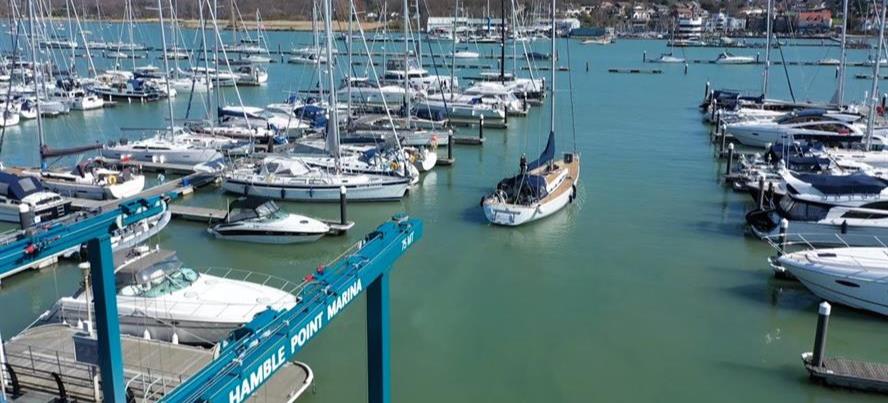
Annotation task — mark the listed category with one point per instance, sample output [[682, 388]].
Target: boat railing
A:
[[792, 242], [264, 279]]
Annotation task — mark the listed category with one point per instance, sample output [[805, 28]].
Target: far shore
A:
[[267, 25]]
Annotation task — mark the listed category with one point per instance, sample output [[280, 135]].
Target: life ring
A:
[[112, 180]]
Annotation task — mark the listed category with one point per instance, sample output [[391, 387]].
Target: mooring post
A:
[[378, 364], [820, 337], [644, 56], [686, 68], [781, 238], [450, 146], [481, 127], [721, 147], [706, 93], [730, 159], [343, 206], [761, 193], [110, 354]]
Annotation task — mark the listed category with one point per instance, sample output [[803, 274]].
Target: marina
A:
[[504, 218]]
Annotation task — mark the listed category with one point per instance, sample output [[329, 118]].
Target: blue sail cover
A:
[[17, 188], [844, 184], [547, 155]]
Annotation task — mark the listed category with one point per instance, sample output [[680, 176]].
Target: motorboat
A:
[[728, 58], [135, 89], [856, 277], [825, 209], [466, 54], [669, 58], [307, 59], [805, 126], [260, 220], [290, 178], [828, 61], [251, 75], [463, 110], [91, 179], [159, 296], [497, 95], [18, 192]]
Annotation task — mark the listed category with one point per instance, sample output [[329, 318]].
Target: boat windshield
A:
[[161, 278], [801, 211]]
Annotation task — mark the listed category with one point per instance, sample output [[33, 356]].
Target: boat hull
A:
[[866, 295], [325, 193]]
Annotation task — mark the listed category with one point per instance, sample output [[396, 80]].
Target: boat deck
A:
[[152, 368], [211, 216], [573, 174], [843, 372]]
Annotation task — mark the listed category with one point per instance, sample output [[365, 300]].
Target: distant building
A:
[[689, 29], [819, 20], [445, 24]]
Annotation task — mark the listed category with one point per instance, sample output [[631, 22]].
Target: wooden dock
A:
[[635, 71], [846, 373]]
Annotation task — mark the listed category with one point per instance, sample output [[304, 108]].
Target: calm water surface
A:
[[646, 289]]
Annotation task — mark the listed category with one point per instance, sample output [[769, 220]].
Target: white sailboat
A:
[[542, 187]]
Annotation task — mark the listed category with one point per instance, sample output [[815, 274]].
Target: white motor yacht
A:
[[16, 191], [803, 126], [161, 149], [262, 221], [855, 277], [157, 294], [728, 58]]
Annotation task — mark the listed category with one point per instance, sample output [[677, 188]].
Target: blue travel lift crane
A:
[[251, 355]]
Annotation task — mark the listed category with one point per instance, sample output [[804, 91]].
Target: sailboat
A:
[[291, 178], [670, 57], [543, 186]]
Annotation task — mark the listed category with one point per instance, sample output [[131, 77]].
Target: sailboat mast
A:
[[453, 46], [874, 94], [206, 57], [503, 39], [418, 34], [767, 52], [840, 92], [552, 69], [33, 46], [406, 21], [348, 70], [166, 68], [333, 123]]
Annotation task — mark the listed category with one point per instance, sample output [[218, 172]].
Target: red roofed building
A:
[[819, 20]]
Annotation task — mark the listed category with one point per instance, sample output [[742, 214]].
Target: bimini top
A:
[[844, 184], [16, 188], [247, 208]]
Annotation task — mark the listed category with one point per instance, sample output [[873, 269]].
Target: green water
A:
[[645, 289]]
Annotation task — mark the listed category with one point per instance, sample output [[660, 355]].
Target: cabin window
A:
[[800, 211], [847, 283]]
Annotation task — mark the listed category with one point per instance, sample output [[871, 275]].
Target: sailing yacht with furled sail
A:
[[291, 178], [543, 186]]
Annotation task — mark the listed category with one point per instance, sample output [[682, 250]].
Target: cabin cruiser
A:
[[828, 210], [468, 109], [728, 58], [466, 54], [161, 148], [290, 178], [159, 296], [497, 95], [218, 78], [534, 89], [669, 58], [813, 125], [77, 98], [541, 188], [418, 77], [260, 220], [18, 191], [251, 75], [264, 122], [134, 89], [855, 276], [91, 179]]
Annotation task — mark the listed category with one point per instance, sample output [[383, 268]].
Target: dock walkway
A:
[[843, 372], [152, 368]]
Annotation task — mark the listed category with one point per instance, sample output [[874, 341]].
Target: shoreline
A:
[[267, 25]]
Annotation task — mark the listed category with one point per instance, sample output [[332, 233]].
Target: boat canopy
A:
[[17, 188], [524, 188], [546, 156], [844, 184], [247, 208]]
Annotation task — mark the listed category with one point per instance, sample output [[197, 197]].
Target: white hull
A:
[[268, 239], [513, 215], [839, 285], [187, 157], [324, 193]]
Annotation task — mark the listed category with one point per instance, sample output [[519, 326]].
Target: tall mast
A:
[[418, 34], [552, 68], [767, 52], [503, 39], [166, 68], [92, 66], [840, 91], [333, 123], [453, 46], [203, 42], [31, 18], [406, 21], [874, 94], [348, 69]]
